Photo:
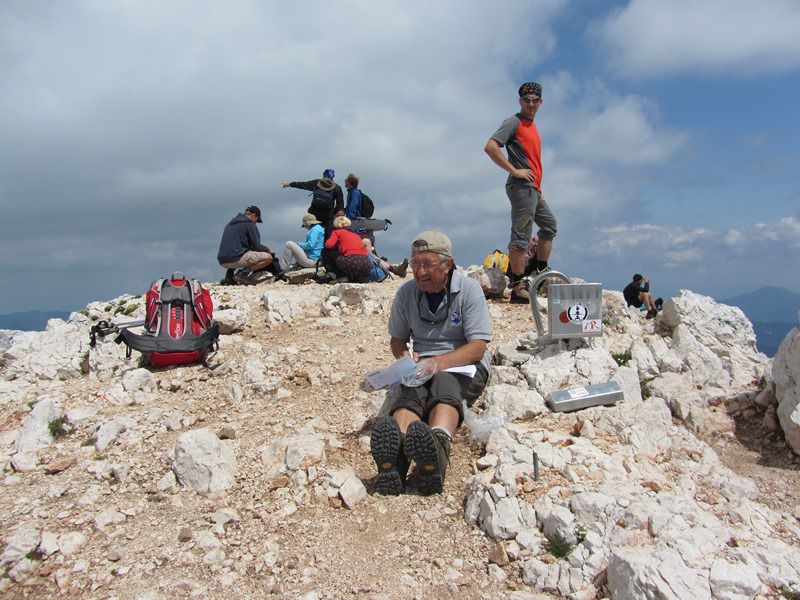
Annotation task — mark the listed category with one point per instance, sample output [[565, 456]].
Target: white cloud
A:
[[650, 38], [621, 131]]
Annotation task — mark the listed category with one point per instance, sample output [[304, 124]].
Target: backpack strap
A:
[[154, 320], [198, 308], [149, 343]]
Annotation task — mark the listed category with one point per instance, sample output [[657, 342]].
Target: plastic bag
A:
[[424, 370], [480, 427]]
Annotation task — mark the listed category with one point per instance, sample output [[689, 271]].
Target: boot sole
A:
[[385, 446], [420, 446]]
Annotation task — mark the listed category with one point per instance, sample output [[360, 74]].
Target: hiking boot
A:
[[257, 277], [430, 450], [242, 277], [228, 279], [401, 269], [521, 288], [651, 314], [386, 445], [517, 299]]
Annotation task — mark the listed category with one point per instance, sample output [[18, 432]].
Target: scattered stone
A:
[[352, 492], [227, 433], [59, 465], [203, 462], [498, 555], [71, 542]]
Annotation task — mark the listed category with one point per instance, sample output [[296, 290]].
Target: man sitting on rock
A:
[[241, 248], [637, 293], [446, 315]]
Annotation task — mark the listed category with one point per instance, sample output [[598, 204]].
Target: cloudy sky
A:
[[131, 132]]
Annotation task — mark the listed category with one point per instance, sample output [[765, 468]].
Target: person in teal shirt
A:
[[307, 253]]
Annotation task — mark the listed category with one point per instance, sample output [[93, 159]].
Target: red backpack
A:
[[179, 328]]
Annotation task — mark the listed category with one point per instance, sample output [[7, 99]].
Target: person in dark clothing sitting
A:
[[241, 247], [637, 293]]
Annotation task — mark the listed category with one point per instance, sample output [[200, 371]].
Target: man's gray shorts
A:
[[248, 259], [528, 207]]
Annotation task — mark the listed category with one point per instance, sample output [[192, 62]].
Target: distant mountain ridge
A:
[[31, 320], [773, 311], [768, 304]]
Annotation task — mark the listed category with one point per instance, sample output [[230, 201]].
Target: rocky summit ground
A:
[[95, 510]]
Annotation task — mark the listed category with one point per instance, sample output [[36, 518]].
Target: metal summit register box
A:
[[575, 310], [584, 396]]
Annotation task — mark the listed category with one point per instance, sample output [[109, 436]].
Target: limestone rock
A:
[[22, 540], [512, 402], [733, 581], [786, 374], [59, 351], [280, 308], [35, 433], [352, 492], [203, 462], [231, 320], [657, 573], [109, 431], [716, 342]]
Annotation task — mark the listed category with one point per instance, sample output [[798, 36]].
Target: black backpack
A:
[[367, 207], [322, 199]]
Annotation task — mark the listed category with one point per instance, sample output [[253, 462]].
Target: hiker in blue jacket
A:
[[241, 248], [353, 206], [307, 253]]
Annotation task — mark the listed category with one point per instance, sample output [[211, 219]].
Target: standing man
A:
[[524, 187], [327, 199], [241, 248], [446, 315], [352, 208]]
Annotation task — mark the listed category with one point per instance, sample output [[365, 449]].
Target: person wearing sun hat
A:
[[327, 199], [520, 137], [307, 253], [445, 314]]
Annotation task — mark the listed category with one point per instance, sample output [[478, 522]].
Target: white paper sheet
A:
[[395, 372]]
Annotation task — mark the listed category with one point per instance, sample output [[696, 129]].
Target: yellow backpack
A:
[[496, 260]]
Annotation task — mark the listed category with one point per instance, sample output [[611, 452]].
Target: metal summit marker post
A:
[[574, 310]]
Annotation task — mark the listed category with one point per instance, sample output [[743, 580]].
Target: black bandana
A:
[[526, 89]]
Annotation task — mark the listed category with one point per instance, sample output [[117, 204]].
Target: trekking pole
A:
[[104, 328]]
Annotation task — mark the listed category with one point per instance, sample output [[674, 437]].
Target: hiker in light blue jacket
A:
[[305, 254]]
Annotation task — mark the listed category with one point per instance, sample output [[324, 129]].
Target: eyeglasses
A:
[[420, 265], [530, 100]]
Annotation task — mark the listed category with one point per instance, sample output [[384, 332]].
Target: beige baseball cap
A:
[[433, 241]]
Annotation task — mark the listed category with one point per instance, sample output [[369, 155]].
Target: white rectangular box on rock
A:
[[584, 396], [575, 310]]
